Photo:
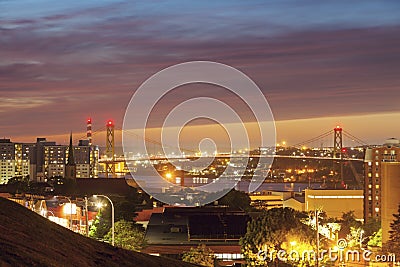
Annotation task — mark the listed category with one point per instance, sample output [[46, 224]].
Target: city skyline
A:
[[318, 65]]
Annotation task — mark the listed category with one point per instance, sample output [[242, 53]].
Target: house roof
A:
[[144, 215]]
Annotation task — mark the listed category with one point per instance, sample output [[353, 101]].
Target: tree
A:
[[372, 226], [347, 222], [394, 234], [127, 235], [201, 255], [124, 209], [375, 239], [236, 200], [100, 226], [18, 184], [274, 230], [354, 237]]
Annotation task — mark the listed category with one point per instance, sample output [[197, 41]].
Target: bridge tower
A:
[[338, 152], [338, 142], [110, 150]]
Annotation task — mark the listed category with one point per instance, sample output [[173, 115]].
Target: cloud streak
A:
[[62, 64]]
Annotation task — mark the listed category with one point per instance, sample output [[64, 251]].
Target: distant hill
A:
[[28, 239]]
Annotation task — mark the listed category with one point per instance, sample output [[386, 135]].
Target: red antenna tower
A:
[[89, 131]]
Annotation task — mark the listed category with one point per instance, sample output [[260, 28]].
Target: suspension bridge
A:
[[336, 152]]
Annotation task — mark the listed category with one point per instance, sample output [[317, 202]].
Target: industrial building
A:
[[333, 202]]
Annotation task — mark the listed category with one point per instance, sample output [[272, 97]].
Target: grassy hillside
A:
[[27, 239]]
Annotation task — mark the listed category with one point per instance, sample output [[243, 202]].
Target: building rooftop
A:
[[96, 186], [192, 225]]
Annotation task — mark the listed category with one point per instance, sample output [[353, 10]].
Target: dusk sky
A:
[[318, 63]]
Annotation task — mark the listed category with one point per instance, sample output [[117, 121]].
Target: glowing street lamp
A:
[[99, 205], [361, 238], [112, 216]]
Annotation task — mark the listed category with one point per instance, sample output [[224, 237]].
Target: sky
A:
[[318, 63]]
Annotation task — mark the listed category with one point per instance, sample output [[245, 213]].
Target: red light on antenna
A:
[[89, 120], [110, 123]]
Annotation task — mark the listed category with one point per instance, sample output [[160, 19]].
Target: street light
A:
[[99, 205], [112, 216], [361, 239], [316, 227], [86, 216]]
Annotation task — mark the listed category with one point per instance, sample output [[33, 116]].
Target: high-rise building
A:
[[86, 160], [54, 161], [94, 161], [375, 157], [14, 160], [22, 159], [390, 195], [7, 160], [44, 159]]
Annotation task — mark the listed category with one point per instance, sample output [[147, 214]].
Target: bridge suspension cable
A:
[[354, 138], [314, 139], [99, 130], [151, 141]]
